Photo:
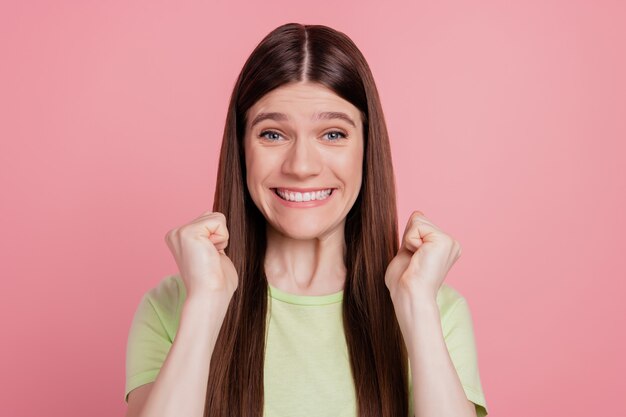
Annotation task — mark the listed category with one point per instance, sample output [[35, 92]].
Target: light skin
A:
[[305, 246], [413, 278]]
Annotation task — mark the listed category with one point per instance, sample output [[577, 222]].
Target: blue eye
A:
[[272, 132], [265, 132], [337, 132]]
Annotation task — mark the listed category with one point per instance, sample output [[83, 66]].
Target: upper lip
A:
[[303, 190]]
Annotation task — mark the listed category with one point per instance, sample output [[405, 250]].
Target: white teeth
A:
[[308, 196]]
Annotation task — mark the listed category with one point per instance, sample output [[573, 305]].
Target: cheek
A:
[[253, 186], [258, 168], [354, 165], [252, 164], [252, 177]]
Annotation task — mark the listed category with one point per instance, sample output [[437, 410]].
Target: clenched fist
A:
[[198, 248], [425, 256]]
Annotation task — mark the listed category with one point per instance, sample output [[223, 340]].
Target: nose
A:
[[303, 159]]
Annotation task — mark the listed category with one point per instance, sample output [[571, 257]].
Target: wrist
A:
[[207, 301], [418, 297]]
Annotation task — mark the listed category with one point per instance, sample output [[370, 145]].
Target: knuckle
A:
[[185, 231], [413, 267], [169, 235], [456, 246]]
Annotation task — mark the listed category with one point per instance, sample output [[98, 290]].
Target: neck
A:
[[306, 267]]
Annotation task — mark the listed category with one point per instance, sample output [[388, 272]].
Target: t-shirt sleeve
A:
[[152, 332], [458, 331]]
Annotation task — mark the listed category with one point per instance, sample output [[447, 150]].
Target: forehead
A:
[[302, 100]]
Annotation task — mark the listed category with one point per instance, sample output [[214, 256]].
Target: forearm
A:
[[180, 387], [437, 389]]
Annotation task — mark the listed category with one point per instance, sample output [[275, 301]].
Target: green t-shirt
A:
[[307, 369]]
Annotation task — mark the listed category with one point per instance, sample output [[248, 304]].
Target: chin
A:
[[302, 235], [299, 233]]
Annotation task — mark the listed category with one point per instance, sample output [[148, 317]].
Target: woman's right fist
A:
[[198, 248]]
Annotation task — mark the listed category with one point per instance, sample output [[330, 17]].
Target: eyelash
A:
[[263, 133]]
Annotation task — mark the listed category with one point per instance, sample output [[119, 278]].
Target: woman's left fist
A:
[[425, 256]]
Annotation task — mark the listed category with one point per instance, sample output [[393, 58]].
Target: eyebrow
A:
[[327, 115]]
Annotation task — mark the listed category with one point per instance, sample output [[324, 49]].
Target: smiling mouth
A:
[[304, 197]]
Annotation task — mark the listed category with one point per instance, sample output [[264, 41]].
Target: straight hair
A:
[[294, 53]]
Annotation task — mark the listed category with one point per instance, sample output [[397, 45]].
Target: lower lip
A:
[[303, 204]]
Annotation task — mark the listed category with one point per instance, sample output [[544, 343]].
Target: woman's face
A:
[[303, 137]]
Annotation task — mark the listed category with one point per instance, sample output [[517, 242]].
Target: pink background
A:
[[507, 122]]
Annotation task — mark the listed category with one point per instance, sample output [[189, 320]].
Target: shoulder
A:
[[449, 299], [168, 292], [166, 300]]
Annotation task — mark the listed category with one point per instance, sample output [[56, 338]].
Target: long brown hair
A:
[[378, 358]]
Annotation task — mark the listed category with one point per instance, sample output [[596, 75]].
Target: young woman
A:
[[294, 295]]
